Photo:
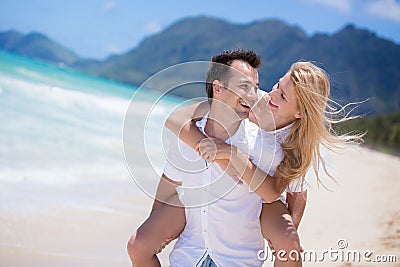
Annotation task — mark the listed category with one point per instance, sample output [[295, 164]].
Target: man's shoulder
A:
[[250, 127], [245, 135]]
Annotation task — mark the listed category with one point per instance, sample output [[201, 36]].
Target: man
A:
[[222, 219], [207, 236]]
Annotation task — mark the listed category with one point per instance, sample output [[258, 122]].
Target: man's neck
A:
[[221, 123]]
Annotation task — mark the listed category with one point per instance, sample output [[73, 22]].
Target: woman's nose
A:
[[272, 93]]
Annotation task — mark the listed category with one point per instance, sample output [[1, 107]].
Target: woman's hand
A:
[[211, 149], [261, 114]]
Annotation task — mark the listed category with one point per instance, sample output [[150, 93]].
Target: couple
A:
[[270, 148]]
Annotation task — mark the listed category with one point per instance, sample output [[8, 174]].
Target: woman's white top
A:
[[267, 154]]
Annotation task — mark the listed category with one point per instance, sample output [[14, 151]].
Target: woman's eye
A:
[[283, 97]]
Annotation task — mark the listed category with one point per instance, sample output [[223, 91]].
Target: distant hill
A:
[[199, 39], [361, 65], [37, 46]]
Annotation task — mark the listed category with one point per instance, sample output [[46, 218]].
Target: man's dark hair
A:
[[221, 72]]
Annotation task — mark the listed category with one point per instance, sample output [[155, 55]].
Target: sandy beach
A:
[[360, 212], [89, 224]]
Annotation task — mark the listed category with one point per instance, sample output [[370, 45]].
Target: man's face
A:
[[240, 93]]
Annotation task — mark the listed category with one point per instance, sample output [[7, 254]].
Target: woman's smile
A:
[[272, 104]]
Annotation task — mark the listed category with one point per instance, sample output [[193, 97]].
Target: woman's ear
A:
[[298, 115]]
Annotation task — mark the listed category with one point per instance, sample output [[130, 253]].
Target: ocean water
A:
[[62, 127]]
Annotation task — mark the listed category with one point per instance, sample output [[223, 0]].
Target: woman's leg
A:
[[165, 222], [277, 227]]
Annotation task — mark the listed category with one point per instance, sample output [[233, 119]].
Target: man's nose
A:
[[252, 96]]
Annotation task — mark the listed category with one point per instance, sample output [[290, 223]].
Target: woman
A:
[[295, 112]]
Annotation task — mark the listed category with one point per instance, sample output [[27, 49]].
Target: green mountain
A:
[[198, 39], [361, 65], [37, 46]]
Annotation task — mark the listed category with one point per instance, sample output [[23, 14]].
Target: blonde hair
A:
[[307, 134]]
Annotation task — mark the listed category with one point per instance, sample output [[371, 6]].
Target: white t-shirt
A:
[[222, 217]]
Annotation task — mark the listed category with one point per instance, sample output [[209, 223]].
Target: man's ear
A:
[[217, 85]]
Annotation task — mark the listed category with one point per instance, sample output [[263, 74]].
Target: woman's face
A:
[[279, 107]]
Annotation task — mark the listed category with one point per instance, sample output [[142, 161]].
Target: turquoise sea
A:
[[67, 197], [57, 122]]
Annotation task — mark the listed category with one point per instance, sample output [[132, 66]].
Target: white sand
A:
[[89, 225], [362, 210]]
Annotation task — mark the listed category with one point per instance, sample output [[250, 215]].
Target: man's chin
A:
[[243, 115]]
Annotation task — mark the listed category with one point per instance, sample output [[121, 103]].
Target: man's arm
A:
[[166, 193], [181, 123], [296, 205]]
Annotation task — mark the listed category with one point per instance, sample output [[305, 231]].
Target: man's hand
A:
[[164, 244], [273, 249], [296, 205]]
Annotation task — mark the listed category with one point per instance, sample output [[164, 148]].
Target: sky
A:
[[99, 28]]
